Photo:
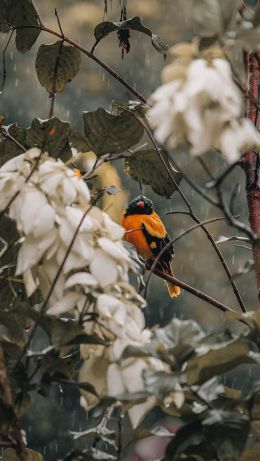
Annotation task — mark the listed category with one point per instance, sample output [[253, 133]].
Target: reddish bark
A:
[[251, 160]]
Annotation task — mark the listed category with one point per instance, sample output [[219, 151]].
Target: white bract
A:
[[204, 109], [67, 240]]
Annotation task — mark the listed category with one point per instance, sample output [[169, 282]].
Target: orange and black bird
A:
[[145, 230]]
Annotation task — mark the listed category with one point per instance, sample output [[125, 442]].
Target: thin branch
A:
[[194, 291], [191, 211], [59, 23], [81, 48], [55, 280]]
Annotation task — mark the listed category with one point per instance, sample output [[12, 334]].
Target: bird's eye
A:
[[141, 204]]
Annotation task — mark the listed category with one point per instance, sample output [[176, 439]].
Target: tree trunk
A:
[[251, 160]]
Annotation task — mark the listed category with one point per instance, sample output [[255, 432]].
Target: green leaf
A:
[[108, 133], [50, 135], [219, 361], [11, 455], [20, 13], [56, 65], [146, 167], [106, 27]]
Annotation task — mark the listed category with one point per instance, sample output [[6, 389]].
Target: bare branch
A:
[[194, 291]]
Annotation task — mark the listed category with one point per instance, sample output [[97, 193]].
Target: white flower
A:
[[92, 275], [127, 377], [204, 109]]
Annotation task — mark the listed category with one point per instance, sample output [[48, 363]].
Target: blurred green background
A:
[[195, 262]]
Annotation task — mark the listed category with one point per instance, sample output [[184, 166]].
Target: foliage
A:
[[64, 265]]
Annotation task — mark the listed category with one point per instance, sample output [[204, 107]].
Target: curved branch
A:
[[84, 50], [194, 291]]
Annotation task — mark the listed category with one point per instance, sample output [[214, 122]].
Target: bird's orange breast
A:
[[135, 235]]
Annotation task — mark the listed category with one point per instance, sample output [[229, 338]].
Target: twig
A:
[[192, 290], [191, 211], [45, 303]]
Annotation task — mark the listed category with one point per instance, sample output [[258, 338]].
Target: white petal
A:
[[115, 385], [65, 304], [81, 278], [114, 249], [104, 269]]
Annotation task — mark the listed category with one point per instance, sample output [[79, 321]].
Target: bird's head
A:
[[140, 205]]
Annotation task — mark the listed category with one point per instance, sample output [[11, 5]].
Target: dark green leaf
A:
[[56, 65], [108, 133], [146, 167], [105, 28], [50, 135], [20, 13]]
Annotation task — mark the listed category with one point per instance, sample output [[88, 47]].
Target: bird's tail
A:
[[173, 290]]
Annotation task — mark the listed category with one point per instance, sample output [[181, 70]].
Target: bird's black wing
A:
[[157, 244]]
